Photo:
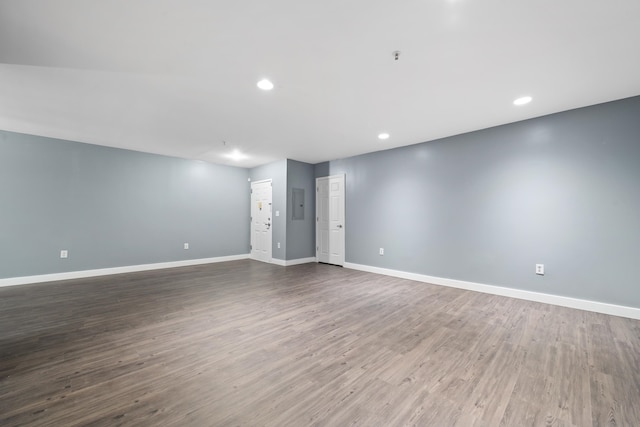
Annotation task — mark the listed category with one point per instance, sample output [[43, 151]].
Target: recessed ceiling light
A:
[[383, 136], [523, 100], [265, 84]]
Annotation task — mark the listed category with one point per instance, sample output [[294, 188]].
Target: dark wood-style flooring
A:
[[252, 344]]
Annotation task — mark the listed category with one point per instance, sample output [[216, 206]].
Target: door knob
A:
[[339, 225]]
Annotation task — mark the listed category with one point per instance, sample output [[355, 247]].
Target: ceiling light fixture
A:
[[236, 155], [383, 136], [265, 84], [523, 100]]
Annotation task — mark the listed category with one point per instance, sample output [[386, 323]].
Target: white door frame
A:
[[336, 232], [266, 257]]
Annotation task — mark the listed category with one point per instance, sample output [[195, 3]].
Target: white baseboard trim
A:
[[598, 307], [290, 262], [299, 261], [12, 281]]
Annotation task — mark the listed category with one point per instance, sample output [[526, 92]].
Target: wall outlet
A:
[[64, 253], [278, 245], [186, 246], [381, 251], [540, 269], [277, 213]]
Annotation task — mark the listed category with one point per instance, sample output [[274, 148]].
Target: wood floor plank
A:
[[244, 343]]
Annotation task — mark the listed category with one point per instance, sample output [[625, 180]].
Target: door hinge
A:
[[250, 247], [317, 248]]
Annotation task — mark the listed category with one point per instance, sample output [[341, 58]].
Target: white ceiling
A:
[[178, 77]]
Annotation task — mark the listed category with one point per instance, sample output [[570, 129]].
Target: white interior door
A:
[[261, 220], [330, 223]]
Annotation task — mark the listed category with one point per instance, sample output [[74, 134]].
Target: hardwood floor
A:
[[246, 343]]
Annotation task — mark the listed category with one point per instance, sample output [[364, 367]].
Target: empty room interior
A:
[[329, 213]]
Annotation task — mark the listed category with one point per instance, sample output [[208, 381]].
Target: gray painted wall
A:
[[562, 190], [110, 207], [277, 172], [301, 234]]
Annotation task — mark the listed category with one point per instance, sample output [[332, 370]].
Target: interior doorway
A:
[[261, 234], [330, 219]]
